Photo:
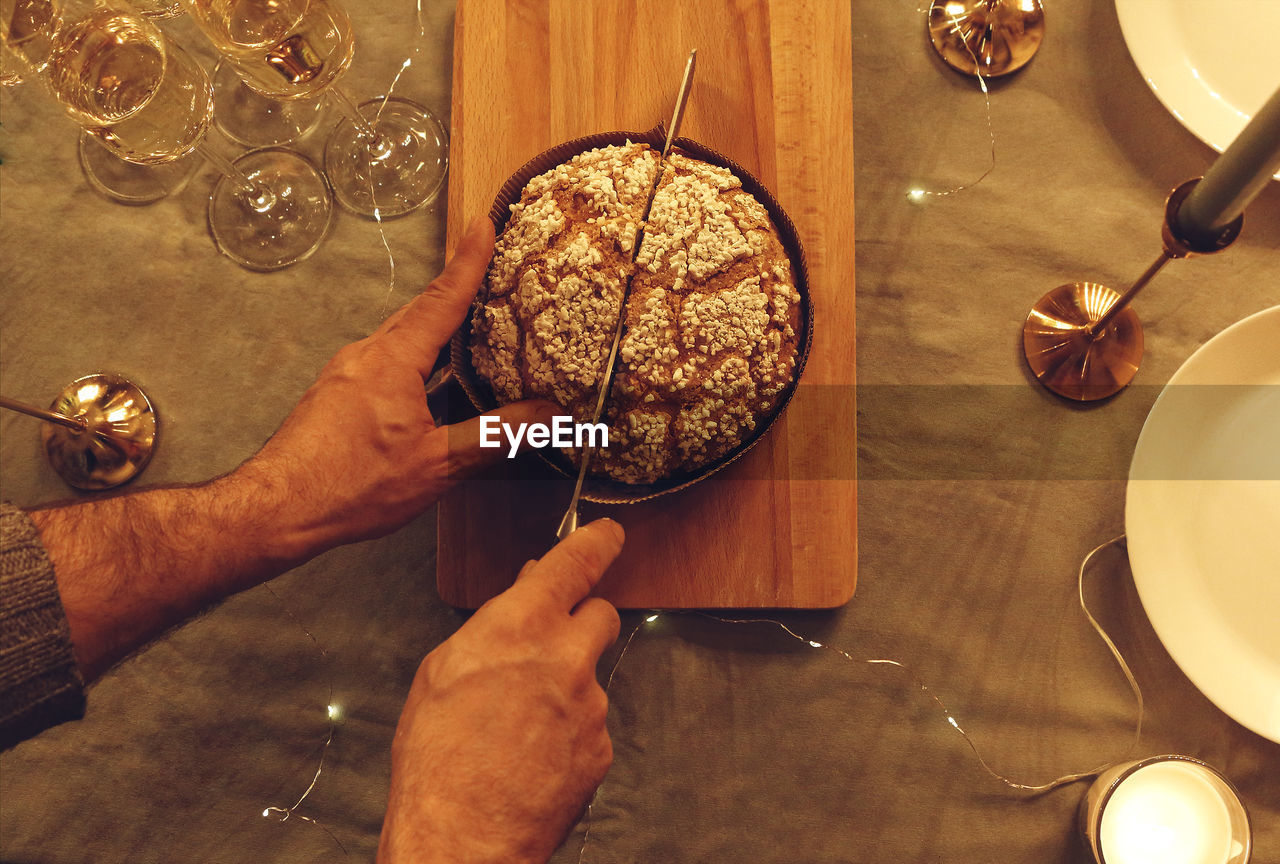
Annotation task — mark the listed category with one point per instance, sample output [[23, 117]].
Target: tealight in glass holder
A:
[[1165, 810]]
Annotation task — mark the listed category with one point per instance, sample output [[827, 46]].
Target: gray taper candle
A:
[[1240, 174]]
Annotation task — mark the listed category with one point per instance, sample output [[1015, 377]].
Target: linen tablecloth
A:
[[979, 494]]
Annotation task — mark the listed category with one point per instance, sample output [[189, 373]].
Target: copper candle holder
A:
[[986, 37], [99, 432], [1083, 341]]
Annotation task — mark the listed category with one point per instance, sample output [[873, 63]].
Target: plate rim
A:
[[1248, 715], [1135, 28]]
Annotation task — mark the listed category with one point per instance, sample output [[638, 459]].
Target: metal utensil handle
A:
[[678, 115]]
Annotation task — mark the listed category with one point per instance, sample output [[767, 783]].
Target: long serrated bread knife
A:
[[569, 523]]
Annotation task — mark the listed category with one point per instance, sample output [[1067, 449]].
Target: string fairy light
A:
[[333, 711], [391, 258], [586, 831], [377, 211], [918, 194], [947, 714]]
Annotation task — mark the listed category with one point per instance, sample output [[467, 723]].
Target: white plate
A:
[[1202, 513], [1213, 63]]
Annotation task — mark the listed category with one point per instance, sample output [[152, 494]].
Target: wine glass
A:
[[247, 117], [132, 182], [146, 100], [26, 33], [388, 156], [29, 27]]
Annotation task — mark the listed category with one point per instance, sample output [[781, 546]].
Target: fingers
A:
[[598, 625], [422, 326], [566, 574], [464, 440]]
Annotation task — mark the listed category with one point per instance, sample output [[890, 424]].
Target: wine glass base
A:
[[254, 120], [400, 171], [130, 183], [120, 437], [1066, 359], [986, 37], [280, 226]]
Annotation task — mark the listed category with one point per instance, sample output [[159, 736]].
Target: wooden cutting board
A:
[[773, 92]]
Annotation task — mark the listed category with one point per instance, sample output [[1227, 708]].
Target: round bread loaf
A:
[[710, 342]]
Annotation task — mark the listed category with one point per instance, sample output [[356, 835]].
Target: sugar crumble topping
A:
[[711, 334]]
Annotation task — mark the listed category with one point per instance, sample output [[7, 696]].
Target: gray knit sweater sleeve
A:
[[40, 685]]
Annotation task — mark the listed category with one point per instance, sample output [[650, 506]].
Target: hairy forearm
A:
[[131, 567]]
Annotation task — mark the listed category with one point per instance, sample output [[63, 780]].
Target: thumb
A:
[[421, 327], [481, 441]]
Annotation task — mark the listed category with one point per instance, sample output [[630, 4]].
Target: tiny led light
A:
[[942, 708], [917, 195]]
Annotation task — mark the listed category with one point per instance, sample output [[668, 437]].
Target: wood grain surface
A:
[[773, 92]]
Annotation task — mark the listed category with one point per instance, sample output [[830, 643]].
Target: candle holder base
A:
[[1067, 356], [116, 444], [986, 37]]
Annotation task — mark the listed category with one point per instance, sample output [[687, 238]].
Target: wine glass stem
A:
[[1099, 327], [258, 193], [351, 111]]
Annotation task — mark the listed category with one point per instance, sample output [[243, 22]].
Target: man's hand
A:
[[360, 454], [503, 739], [358, 457]]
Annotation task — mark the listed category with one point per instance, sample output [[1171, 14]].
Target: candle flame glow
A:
[[1166, 813]]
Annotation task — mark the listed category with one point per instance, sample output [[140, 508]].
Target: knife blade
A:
[[569, 523]]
